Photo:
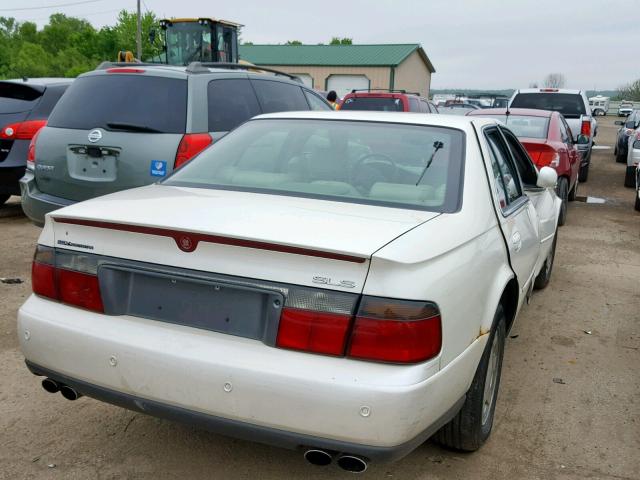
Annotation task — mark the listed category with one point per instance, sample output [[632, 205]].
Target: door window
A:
[[508, 188], [527, 171], [414, 105], [231, 102], [279, 96], [564, 133]]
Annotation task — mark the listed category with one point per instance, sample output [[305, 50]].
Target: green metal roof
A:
[[332, 55]]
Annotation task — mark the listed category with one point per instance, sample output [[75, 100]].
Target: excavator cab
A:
[[199, 40]]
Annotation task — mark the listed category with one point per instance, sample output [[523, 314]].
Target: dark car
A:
[[387, 101], [627, 127], [24, 108]]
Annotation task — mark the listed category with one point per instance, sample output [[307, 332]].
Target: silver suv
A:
[[574, 106], [127, 125]]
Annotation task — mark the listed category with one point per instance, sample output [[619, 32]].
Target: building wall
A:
[[413, 75], [378, 76]]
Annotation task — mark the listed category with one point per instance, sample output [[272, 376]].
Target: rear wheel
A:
[[471, 427], [630, 177], [620, 157], [542, 280], [583, 175], [637, 206], [4, 198], [562, 189], [573, 193]]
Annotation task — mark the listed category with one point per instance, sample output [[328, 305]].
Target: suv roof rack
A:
[[388, 90], [202, 67]]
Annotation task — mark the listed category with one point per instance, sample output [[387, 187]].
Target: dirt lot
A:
[[586, 426]]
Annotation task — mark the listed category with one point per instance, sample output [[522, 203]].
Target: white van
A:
[[599, 105]]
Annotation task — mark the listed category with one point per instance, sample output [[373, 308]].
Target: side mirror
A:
[[618, 122], [582, 139], [547, 178]]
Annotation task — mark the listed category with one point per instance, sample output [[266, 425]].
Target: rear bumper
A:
[[243, 388], [35, 203], [10, 180]]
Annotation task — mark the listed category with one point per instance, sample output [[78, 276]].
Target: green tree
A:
[[125, 32], [341, 41], [293, 42], [630, 91], [31, 61]]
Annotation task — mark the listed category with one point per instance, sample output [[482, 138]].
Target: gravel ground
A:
[[586, 426]]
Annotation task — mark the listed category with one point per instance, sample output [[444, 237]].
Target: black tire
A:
[[637, 205], [630, 177], [4, 198], [542, 280], [620, 158], [583, 174], [573, 193], [471, 427], [562, 189]]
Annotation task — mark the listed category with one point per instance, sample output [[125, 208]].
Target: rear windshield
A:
[[15, 98], [388, 164], [525, 126], [570, 105], [383, 104], [153, 103]]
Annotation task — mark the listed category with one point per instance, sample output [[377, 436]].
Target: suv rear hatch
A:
[[16, 102], [110, 132]]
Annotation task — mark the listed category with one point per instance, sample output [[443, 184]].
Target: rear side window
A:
[[570, 105], [231, 102], [414, 105], [315, 102], [146, 101], [15, 98], [279, 96], [382, 104]]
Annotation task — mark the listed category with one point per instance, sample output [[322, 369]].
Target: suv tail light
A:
[[585, 128], [66, 277], [22, 130], [190, 146], [384, 330], [31, 152]]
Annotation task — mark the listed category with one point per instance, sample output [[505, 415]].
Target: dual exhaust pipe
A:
[[350, 463], [67, 392]]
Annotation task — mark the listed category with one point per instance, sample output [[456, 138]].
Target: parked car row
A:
[[293, 273]]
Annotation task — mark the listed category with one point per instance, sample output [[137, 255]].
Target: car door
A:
[[518, 217], [572, 151]]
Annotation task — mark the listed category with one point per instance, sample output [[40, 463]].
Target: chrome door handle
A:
[[516, 240]]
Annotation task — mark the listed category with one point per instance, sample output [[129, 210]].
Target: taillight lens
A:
[[31, 152], [317, 332], [191, 145], [383, 330], [397, 331], [69, 278], [585, 128], [22, 130], [124, 70]]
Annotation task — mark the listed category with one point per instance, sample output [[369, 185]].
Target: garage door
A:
[[306, 79], [343, 84]]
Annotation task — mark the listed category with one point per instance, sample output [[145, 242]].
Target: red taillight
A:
[[585, 128], [31, 151], [125, 70], [191, 145], [317, 332], [73, 287], [79, 289], [22, 130], [542, 155], [398, 331], [548, 89], [43, 280]]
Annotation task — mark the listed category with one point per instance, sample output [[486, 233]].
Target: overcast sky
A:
[[472, 44]]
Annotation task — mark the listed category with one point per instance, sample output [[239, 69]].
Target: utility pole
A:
[[139, 35]]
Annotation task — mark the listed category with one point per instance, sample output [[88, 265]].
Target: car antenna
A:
[[437, 145]]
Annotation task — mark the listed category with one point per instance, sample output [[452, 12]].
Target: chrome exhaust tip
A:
[[69, 393], [50, 386], [352, 464], [318, 457]]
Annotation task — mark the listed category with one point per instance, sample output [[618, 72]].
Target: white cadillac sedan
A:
[[337, 282]]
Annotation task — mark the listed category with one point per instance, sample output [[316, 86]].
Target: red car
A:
[[387, 101], [548, 140]]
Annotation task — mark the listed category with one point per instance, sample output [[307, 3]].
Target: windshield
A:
[[189, 42], [524, 125], [385, 164], [383, 104], [147, 102], [568, 104]]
